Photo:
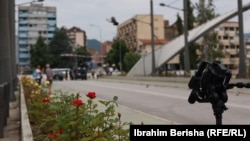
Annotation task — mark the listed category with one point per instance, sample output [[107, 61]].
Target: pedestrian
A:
[[49, 74], [93, 73], [37, 74]]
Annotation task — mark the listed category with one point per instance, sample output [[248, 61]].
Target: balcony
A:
[[23, 35], [50, 35], [51, 28], [51, 22], [24, 55], [26, 63], [23, 15], [23, 28], [51, 15], [23, 49], [23, 42], [23, 22]]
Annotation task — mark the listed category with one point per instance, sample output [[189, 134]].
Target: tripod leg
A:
[[218, 108]]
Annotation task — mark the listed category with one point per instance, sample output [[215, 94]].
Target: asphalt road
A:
[[169, 103]]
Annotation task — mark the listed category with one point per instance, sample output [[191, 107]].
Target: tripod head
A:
[[209, 83]]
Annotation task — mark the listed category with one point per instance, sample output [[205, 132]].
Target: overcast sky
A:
[[83, 13]]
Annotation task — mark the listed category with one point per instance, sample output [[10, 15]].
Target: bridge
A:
[[169, 50]]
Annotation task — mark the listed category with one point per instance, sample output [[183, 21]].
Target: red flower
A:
[[91, 95], [59, 132], [52, 136], [46, 100], [77, 102]]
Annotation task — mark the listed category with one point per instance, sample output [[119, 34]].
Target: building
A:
[[34, 21], [138, 28], [106, 47], [247, 46], [77, 36], [228, 36]]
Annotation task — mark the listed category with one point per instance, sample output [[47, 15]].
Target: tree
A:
[[118, 50], [60, 44], [82, 51], [209, 46], [39, 53], [130, 60]]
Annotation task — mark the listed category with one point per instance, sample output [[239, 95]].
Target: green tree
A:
[[39, 53], [210, 48], [130, 60], [85, 55], [60, 44], [118, 50]]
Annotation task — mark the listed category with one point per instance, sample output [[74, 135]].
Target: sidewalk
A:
[[12, 132]]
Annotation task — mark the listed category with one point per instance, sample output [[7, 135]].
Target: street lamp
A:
[[186, 52], [100, 33]]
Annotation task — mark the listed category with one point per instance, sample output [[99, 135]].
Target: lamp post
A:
[[152, 36], [100, 33], [120, 55], [186, 52], [242, 61]]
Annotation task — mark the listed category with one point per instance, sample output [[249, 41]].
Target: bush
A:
[[67, 117]]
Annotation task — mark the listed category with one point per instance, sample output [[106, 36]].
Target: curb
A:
[[26, 132]]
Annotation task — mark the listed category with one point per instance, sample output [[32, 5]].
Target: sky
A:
[[91, 15]]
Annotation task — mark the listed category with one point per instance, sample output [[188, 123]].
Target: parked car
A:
[[81, 73], [58, 75]]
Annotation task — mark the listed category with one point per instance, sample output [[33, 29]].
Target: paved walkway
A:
[[12, 132]]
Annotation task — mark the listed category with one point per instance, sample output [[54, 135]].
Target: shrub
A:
[[68, 117]]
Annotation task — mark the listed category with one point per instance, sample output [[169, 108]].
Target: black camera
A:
[[210, 82]]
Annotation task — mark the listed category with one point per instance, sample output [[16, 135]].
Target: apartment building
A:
[[247, 46], [34, 21], [77, 36], [228, 36], [138, 28]]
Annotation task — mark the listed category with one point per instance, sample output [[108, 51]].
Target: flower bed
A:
[[69, 117]]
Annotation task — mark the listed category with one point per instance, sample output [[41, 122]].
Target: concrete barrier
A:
[[26, 131]]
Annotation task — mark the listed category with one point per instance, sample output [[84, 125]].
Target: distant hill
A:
[[94, 44], [246, 35]]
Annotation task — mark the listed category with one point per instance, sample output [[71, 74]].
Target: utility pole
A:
[[242, 55], [186, 52], [152, 36]]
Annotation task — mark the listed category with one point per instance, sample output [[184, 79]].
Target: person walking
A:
[[38, 74], [49, 74]]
